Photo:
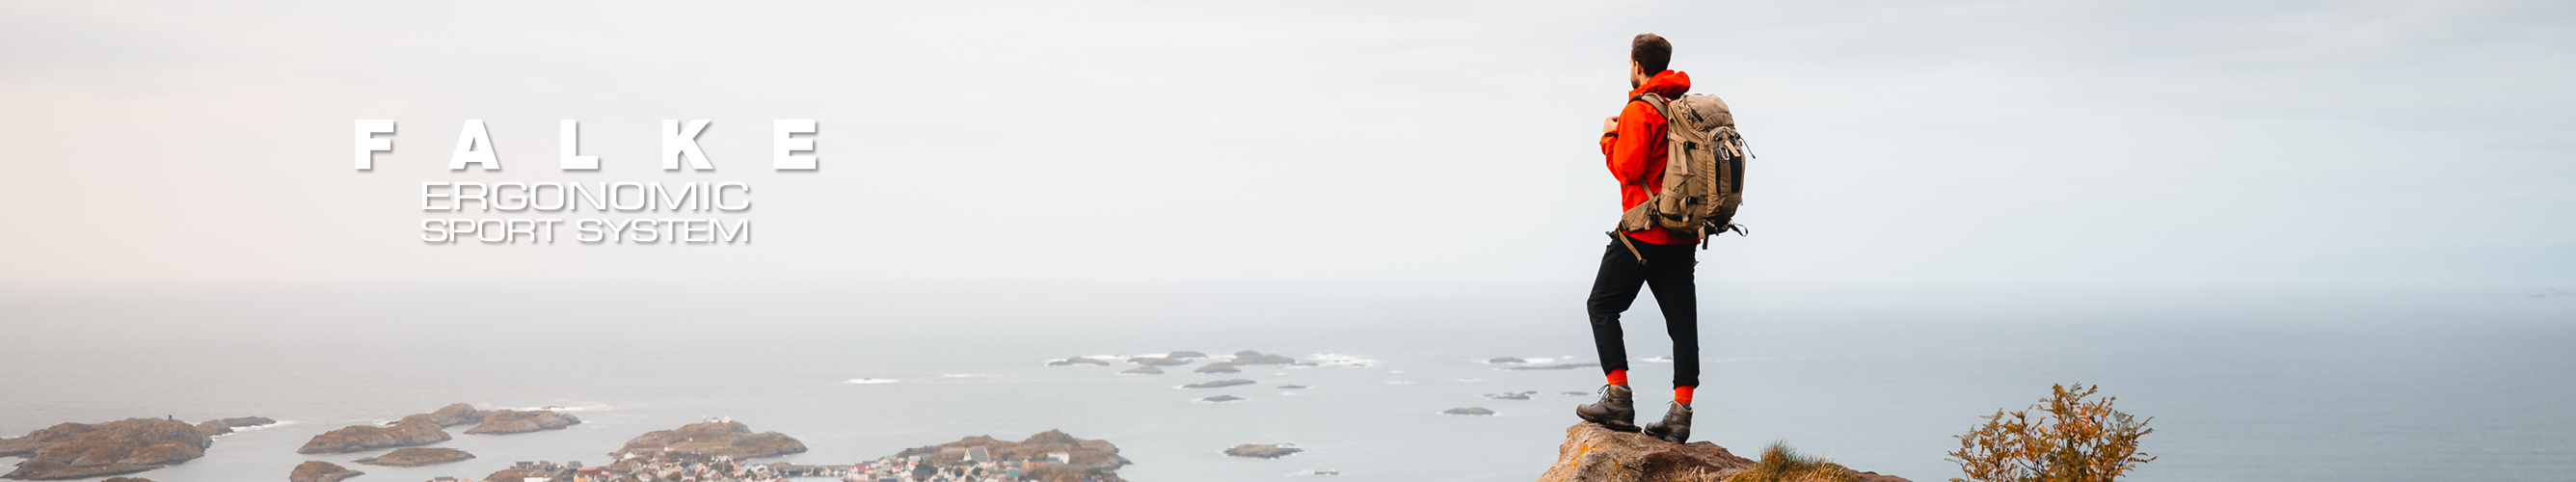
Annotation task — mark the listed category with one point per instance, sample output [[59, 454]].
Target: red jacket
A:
[[1636, 151]]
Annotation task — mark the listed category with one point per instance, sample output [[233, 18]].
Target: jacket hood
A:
[[1670, 84]]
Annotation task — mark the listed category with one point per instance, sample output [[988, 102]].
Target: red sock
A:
[[1682, 394], [1619, 377]]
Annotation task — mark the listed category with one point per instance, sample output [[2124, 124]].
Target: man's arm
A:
[[1629, 140]]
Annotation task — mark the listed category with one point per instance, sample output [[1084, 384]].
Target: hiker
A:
[[1653, 257]]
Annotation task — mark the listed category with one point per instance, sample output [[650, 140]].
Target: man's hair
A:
[[1651, 52]]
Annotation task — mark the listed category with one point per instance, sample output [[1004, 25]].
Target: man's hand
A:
[[1610, 124]]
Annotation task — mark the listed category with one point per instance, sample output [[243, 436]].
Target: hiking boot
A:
[[1617, 409], [1675, 426]]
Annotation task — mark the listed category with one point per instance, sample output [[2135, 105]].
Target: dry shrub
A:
[[1780, 464], [2077, 440]]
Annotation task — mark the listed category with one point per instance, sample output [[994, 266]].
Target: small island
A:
[[80, 450], [319, 471], [413, 430], [1077, 361], [1143, 370], [1185, 355], [724, 438], [1554, 366], [1469, 411], [1262, 451], [1218, 367], [417, 456], [1220, 383], [1220, 399], [226, 425], [1249, 357], [515, 421], [1157, 361]]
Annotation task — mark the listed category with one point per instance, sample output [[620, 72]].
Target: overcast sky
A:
[[1309, 141]]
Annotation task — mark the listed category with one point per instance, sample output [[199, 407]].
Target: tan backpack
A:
[[1703, 171]]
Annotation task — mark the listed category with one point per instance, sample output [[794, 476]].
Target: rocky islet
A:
[[81, 450], [319, 471], [417, 456]]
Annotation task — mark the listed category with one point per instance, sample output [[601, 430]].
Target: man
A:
[[1658, 258]]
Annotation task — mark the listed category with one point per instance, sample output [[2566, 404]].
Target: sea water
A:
[[2244, 383]]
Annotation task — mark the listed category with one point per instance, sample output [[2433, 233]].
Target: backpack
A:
[[1703, 171]]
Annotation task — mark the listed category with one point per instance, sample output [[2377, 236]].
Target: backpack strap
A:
[[1632, 248]]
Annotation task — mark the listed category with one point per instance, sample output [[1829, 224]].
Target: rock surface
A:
[[1262, 451], [80, 450], [1144, 370], [1475, 411], [1218, 367], [319, 471], [1185, 355], [125, 479], [417, 456], [1157, 361], [727, 438], [1592, 453], [1219, 383], [515, 421], [1505, 359], [1220, 399]]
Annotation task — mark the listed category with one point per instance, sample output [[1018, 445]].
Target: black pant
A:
[[1668, 269]]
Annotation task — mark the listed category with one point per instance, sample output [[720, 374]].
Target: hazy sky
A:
[[1309, 141]]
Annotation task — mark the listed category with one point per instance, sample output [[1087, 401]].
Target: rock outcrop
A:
[[1185, 355], [319, 471], [1262, 451], [1146, 370], [124, 479], [417, 456], [727, 438], [80, 450], [1592, 453], [1221, 399], [1098, 457], [1157, 361], [514, 421], [1471, 411]]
